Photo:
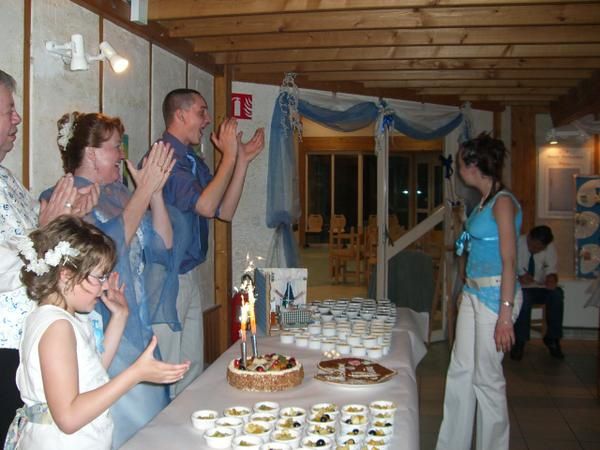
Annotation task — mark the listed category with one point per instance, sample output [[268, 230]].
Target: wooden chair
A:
[[337, 224], [314, 224], [539, 324], [345, 248]]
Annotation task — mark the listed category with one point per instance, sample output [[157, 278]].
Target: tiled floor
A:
[[552, 403]]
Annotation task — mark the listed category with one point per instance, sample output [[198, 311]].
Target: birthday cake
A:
[[266, 373]]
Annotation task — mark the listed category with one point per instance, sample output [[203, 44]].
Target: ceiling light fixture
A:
[[554, 136], [73, 54]]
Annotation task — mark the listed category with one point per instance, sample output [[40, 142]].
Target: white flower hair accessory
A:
[[53, 257], [66, 132]]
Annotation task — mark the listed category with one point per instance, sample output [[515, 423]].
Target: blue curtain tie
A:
[[36, 413], [447, 164], [463, 243]]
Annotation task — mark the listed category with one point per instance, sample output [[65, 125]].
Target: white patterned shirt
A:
[[18, 216]]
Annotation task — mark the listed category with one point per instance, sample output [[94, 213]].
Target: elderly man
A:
[[20, 213], [199, 196], [537, 271]]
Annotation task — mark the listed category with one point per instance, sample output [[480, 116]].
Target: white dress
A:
[[96, 435]]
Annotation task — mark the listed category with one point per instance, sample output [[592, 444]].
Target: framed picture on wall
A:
[[587, 226], [557, 168]]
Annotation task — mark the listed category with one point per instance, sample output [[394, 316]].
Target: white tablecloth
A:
[[172, 428]]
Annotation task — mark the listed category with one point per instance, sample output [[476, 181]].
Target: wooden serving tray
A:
[[353, 372]]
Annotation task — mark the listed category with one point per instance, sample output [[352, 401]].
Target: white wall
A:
[[249, 231], [168, 73], [54, 90], [11, 61], [127, 94]]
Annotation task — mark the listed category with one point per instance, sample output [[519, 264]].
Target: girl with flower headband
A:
[[61, 376], [20, 212], [147, 255]]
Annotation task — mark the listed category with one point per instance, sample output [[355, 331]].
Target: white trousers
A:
[[475, 382], [187, 344]]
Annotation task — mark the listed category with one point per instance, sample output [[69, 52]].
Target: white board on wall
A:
[[55, 90], [127, 94], [168, 73], [11, 62]]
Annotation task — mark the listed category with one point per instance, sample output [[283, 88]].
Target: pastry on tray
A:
[[353, 371]]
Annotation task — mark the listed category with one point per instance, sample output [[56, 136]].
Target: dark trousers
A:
[[554, 301], [10, 399]]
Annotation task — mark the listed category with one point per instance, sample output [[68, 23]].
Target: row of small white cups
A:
[[384, 409], [222, 437], [343, 347]]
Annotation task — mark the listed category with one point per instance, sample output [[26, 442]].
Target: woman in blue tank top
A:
[[488, 307]]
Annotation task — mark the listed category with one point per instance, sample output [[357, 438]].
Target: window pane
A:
[[346, 188], [438, 187], [318, 182], [422, 186], [399, 193], [369, 187]]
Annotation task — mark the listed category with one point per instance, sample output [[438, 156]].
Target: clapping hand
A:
[[151, 370], [114, 297], [225, 140], [61, 201], [250, 150], [86, 199], [156, 168]]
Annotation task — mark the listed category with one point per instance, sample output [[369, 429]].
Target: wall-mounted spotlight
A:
[[73, 54], [554, 135]]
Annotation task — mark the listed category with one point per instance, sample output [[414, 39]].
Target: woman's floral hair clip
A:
[[53, 257], [66, 132]]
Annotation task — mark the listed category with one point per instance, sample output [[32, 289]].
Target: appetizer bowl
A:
[[267, 407], [204, 419], [219, 437], [235, 423], [241, 412], [247, 442]]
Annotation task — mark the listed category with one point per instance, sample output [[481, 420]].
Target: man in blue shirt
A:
[[200, 196]]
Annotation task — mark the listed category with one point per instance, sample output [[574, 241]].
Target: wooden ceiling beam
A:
[[581, 100], [459, 84], [390, 93], [508, 98], [422, 64], [412, 52], [451, 75], [435, 17], [524, 91], [169, 9], [421, 36]]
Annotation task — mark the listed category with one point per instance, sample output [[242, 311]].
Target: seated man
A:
[[537, 271]]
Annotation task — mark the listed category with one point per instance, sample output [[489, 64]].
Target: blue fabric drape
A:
[[283, 204]]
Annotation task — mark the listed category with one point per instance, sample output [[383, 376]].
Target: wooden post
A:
[[222, 230], [523, 162]]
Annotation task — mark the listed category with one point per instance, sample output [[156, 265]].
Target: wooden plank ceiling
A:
[[492, 53]]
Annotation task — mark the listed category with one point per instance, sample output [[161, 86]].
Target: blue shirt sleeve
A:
[[182, 189]]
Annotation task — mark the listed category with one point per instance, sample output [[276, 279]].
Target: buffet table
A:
[[172, 428]]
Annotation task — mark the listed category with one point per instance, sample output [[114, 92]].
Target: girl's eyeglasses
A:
[[101, 279]]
